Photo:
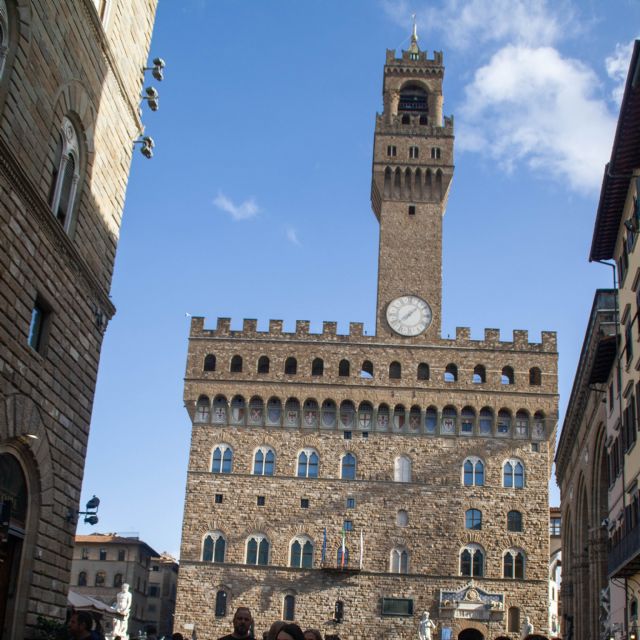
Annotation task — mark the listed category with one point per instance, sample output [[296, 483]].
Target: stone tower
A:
[[412, 171], [70, 80], [352, 482]]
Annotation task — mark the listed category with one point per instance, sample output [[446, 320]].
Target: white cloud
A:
[[532, 106], [292, 236], [617, 65], [243, 211], [468, 23]]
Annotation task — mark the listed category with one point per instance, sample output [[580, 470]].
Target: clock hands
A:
[[407, 315]]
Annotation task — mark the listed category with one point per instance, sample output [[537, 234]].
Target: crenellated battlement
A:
[[519, 340], [409, 59]]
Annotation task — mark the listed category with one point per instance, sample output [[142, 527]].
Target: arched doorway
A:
[[470, 634], [13, 518]]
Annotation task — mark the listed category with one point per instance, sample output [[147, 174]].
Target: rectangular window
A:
[[535, 447], [347, 435], [391, 151], [218, 498], [102, 554], [260, 501], [554, 526], [39, 326], [122, 554], [628, 338], [348, 525], [154, 592], [85, 553], [414, 152], [397, 607], [435, 153], [304, 503], [412, 209], [351, 503]]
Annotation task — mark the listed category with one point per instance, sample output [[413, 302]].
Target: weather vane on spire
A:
[[414, 35]]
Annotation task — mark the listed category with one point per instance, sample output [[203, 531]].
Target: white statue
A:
[[123, 606], [425, 627], [527, 628]]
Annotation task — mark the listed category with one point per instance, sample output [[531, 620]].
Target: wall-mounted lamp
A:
[[152, 98], [90, 515], [157, 71], [147, 146]]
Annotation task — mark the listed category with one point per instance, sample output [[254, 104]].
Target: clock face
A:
[[409, 315]]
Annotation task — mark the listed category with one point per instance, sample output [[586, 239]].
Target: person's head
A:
[[274, 629], [290, 631], [177, 636], [80, 624], [312, 634], [242, 621]]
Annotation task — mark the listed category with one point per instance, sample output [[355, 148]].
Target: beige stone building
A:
[[102, 563], [353, 482], [70, 80]]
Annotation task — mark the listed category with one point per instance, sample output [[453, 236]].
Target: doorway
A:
[[470, 634]]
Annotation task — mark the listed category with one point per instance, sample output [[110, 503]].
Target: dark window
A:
[[479, 374], [260, 501], [435, 153], [117, 580], [236, 364], [472, 562], [391, 150], [423, 371], [367, 370], [304, 503], [218, 498], [351, 503], [210, 362], [406, 119], [317, 367], [513, 620], [507, 376], [397, 607], [395, 371], [39, 326], [414, 152], [82, 579], [535, 376], [291, 366], [451, 373], [221, 604], [154, 592], [102, 554], [412, 209], [100, 579], [344, 368], [122, 554], [347, 435], [628, 338], [263, 364], [514, 521], [288, 609]]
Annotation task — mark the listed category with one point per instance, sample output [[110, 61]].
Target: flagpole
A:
[[361, 547]]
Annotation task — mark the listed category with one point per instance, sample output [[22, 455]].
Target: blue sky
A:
[[256, 202]]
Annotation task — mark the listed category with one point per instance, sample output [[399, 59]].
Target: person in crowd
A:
[[80, 625], [312, 634], [242, 623], [290, 631], [272, 634]]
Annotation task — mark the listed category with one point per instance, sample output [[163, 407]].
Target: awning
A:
[[81, 602]]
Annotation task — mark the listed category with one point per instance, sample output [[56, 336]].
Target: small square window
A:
[[347, 435], [365, 434], [39, 326], [260, 501], [351, 503], [304, 503], [348, 525], [535, 446], [218, 498], [412, 209]]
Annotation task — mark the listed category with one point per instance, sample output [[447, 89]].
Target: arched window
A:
[[513, 564], [514, 521], [472, 561], [402, 469], [522, 424], [238, 408], [382, 422], [291, 366], [449, 419], [507, 376], [473, 472], [479, 374], [301, 553], [504, 422], [219, 409], [513, 620], [343, 557], [202, 409], [402, 518], [367, 370], [258, 549], [263, 364], [289, 607], [222, 461], [329, 413], [101, 577], [236, 364], [415, 416], [308, 463], [451, 373], [256, 411], [423, 371], [473, 519], [486, 421], [213, 547], [274, 412], [66, 175], [310, 414], [399, 561], [535, 377], [348, 467], [538, 424], [209, 362], [513, 474], [365, 416], [221, 603], [292, 413], [347, 414], [413, 99], [264, 460], [431, 420], [395, 371], [117, 580], [398, 417], [317, 367], [82, 579], [344, 369], [467, 421]]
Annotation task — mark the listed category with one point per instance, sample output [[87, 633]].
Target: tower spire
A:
[[414, 36]]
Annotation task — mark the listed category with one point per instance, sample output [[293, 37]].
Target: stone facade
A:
[[413, 445], [70, 81]]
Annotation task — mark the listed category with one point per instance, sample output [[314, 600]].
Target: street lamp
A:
[[90, 515]]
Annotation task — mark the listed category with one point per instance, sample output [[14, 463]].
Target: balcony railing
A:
[[624, 558]]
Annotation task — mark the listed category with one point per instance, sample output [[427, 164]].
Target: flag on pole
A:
[[324, 545], [361, 547], [344, 539]]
